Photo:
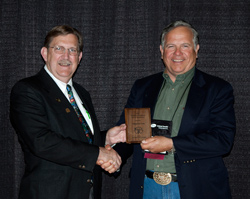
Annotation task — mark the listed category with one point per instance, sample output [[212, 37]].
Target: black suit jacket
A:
[[59, 161], [206, 134]]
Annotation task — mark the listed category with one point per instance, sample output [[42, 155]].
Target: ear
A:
[[161, 49], [44, 52], [197, 49], [80, 57]]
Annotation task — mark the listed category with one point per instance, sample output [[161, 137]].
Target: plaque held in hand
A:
[[138, 122]]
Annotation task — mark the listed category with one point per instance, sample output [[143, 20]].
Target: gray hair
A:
[[176, 24]]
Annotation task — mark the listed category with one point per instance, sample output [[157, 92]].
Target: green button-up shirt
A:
[[170, 106]]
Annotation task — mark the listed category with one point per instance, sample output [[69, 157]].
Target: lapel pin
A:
[[67, 110]]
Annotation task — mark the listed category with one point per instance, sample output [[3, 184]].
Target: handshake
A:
[[108, 158]]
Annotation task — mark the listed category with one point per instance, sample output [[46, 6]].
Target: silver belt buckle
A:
[[162, 178]]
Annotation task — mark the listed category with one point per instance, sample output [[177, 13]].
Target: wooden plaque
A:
[[138, 122]]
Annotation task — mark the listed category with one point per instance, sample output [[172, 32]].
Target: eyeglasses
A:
[[61, 50]]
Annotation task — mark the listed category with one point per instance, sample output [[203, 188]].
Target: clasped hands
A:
[[108, 158]]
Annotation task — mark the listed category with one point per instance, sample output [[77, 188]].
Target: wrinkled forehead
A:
[[65, 40], [179, 32]]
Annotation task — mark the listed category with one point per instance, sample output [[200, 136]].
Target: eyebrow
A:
[[181, 44]]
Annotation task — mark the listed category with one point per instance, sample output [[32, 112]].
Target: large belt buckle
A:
[[162, 178]]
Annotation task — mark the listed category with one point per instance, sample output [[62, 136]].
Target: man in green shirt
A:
[[199, 110]]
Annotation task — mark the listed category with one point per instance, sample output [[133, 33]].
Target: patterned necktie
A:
[[79, 114]]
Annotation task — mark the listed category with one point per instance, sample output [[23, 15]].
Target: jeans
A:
[[152, 190]]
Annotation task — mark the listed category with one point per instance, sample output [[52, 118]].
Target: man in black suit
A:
[[61, 160], [198, 110]]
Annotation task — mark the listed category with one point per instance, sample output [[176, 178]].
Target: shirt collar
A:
[[182, 77], [59, 83]]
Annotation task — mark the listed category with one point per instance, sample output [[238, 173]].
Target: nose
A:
[[66, 53], [178, 51]]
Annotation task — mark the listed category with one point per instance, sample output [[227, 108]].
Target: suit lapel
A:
[[152, 92], [61, 105], [54, 92], [194, 102]]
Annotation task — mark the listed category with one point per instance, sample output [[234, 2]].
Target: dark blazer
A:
[[59, 161], [206, 134]]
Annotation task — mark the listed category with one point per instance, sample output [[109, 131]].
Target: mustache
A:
[[64, 62]]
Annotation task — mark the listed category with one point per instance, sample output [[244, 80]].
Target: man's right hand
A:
[[108, 159]]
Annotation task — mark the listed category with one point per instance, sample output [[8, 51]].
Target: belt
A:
[[162, 178]]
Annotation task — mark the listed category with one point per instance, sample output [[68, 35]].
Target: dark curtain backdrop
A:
[[121, 44]]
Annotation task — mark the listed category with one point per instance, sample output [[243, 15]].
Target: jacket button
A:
[[89, 180], [81, 166], [141, 187]]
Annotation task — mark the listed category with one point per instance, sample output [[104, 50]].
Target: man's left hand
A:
[[157, 144]]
